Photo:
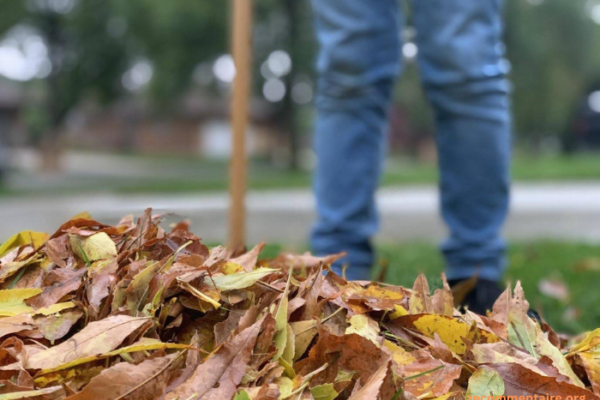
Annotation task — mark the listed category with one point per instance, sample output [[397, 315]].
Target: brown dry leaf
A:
[[591, 363], [520, 381], [96, 338], [370, 390], [16, 324], [216, 328], [59, 283], [429, 377], [248, 261], [217, 378], [56, 326], [57, 250], [420, 302], [305, 260], [144, 381]]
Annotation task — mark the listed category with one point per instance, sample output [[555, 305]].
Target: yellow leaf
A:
[[144, 344], [29, 393], [445, 396], [96, 247], [399, 355], [281, 321], [36, 239], [12, 301], [54, 308], [399, 311], [591, 363], [82, 215], [590, 343], [290, 347], [232, 268], [365, 327], [304, 332], [449, 330]]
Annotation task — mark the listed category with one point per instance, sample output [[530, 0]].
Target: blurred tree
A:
[[12, 13], [175, 36], [287, 26], [553, 47], [84, 59]]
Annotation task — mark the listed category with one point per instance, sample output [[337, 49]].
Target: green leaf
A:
[[485, 382], [242, 395], [324, 392], [138, 290], [239, 281]]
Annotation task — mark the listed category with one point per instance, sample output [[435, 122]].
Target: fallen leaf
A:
[[96, 247], [30, 393], [248, 261], [217, 378], [485, 382], [365, 327], [554, 288], [238, 281], [16, 324], [12, 301], [372, 387], [520, 381], [56, 326], [96, 338], [144, 381], [35, 239]]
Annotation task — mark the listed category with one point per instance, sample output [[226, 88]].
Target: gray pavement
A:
[[565, 211]]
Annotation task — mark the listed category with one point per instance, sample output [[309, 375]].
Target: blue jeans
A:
[[461, 68]]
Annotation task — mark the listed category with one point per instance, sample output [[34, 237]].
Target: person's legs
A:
[[460, 57], [358, 62]]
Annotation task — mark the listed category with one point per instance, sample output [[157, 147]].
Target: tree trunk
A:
[[51, 152]]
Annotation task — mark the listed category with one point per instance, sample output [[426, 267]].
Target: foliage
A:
[[551, 45], [132, 311], [553, 50]]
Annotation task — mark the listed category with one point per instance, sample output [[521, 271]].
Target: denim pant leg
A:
[[460, 58], [358, 61]]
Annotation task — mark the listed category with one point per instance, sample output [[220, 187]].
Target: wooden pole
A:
[[240, 48]]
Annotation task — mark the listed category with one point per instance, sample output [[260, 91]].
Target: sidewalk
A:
[[565, 211]]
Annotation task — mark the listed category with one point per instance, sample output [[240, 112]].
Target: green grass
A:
[[577, 265], [529, 263]]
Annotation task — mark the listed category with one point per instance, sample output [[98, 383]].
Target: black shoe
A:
[[478, 295]]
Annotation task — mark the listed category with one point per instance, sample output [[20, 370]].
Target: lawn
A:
[[576, 265]]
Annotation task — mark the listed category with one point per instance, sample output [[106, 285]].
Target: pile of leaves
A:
[[134, 311]]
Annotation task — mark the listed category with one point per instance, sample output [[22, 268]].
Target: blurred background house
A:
[[147, 77], [112, 106]]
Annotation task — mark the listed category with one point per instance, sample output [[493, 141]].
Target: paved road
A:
[[568, 211]]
